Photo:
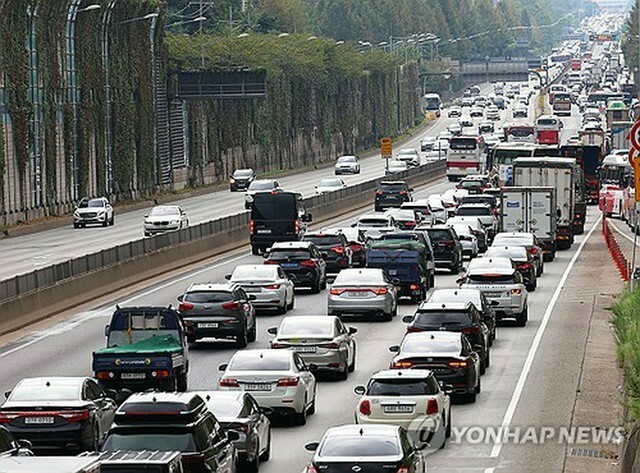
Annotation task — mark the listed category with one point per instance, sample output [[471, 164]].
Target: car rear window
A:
[[324, 240], [224, 407], [254, 272], [439, 235], [463, 143], [435, 345], [274, 207], [284, 255], [137, 441], [208, 297], [442, 318], [491, 278], [32, 391], [403, 387], [360, 446], [348, 278], [373, 222], [469, 211], [242, 362], [308, 328], [392, 187]]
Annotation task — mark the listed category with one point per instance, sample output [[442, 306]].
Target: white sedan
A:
[[330, 185], [268, 283], [165, 218], [278, 379]]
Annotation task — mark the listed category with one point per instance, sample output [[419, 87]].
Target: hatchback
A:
[[334, 247], [356, 240], [218, 311], [241, 179], [522, 259], [301, 261], [447, 250], [392, 194]]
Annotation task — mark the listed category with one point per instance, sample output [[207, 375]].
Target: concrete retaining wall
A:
[[47, 291]]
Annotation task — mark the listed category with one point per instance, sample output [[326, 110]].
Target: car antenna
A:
[[47, 384], [361, 432]]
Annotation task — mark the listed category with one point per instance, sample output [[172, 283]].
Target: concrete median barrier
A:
[[42, 293]]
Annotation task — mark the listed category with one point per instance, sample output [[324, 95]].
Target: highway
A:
[[26, 253], [532, 379]]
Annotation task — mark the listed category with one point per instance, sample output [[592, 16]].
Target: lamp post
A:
[[72, 84], [108, 146]]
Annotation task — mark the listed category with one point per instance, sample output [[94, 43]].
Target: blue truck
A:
[[408, 263], [146, 349]]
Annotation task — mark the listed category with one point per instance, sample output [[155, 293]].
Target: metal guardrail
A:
[[48, 276]]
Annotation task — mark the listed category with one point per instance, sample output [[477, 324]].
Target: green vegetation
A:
[[626, 322], [629, 42]]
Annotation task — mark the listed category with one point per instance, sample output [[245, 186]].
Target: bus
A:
[[548, 130], [555, 89], [432, 104], [501, 158], [562, 104], [466, 156], [519, 133], [576, 64]]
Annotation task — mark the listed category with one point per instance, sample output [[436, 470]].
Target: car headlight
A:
[[175, 222], [232, 180]]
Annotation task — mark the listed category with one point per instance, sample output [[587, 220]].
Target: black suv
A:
[[454, 317], [392, 194], [334, 247], [158, 421], [301, 261], [447, 250], [218, 311], [241, 179]]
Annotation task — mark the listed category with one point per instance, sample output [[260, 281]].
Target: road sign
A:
[[634, 154], [386, 146], [634, 135], [637, 177]]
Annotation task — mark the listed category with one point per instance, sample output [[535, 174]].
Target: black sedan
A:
[[59, 413], [366, 447], [239, 411], [448, 354]]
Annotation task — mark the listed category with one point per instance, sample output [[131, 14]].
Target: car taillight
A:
[[448, 243], [410, 224], [252, 226], [432, 407], [105, 375], [272, 286], [288, 382], [365, 407], [8, 417], [309, 263], [270, 262], [402, 469], [74, 416], [413, 329], [229, 382], [414, 287], [471, 330], [380, 291], [523, 265], [233, 305], [402, 193], [332, 345], [458, 364], [160, 374], [277, 345], [378, 192], [402, 365], [356, 247], [297, 227], [515, 292], [337, 249], [185, 306], [533, 251], [311, 469], [336, 292]]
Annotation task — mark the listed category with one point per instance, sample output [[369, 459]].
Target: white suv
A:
[[412, 399]]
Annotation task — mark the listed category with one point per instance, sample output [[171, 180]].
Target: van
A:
[[276, 216]]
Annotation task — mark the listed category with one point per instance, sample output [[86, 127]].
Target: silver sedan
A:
[[363, 291], [269, 285], [320, 340]]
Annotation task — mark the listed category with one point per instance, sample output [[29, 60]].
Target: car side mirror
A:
[[106, 330], [478, 348], [407, 319], [252, 297], [312, 447], [7, 394], [494, 303], [180, 298], [312, 367], [460, 281], [223, 367], [146, 215], [394, 348], [395, 281], [111, 394], [232, 435], [227, 277], [272, 330], [353, 330], [24, 443], [268, 411]]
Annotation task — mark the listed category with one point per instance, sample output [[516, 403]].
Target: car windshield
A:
[[285, 255], [431, 345], [96, 203], [38, 390], [224, 407], [521, 132], [330, 183], [469, 211], [547, 121], [346, 159], [403, 387], [309, 328], [181, 442], [439, 235], [358, 277], [208, 297], [252, 273], [359, 446], [373, 222], [261, 185], [442, 318], [162, 211], [243, 173], [259, 362]]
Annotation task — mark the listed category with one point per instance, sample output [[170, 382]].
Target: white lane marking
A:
[[615, 227], [65, 327], [515, 398]]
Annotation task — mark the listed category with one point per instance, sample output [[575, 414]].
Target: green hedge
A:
[[626, 322]]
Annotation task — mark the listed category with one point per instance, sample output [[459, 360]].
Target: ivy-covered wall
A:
[[43, 131], [324, 99]]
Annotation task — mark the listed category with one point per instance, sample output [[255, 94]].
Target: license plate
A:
[[393, 272], [208, 325], [289, 265], [357, 294], [252, 289], [493, 294], [133, 376], [257, 387], [264, 231], [398, 409], [305, 349], [38, 420]]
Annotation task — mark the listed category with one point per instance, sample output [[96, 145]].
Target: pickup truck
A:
[[146, 349]]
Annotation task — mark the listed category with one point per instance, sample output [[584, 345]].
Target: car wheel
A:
[[113, 220], [377, 208], [344, 374], [253, 332], [316, 287], [241, 340], [487, 361], [95, 441], [105, 223], [522, 318], [255, 250], [283, 309], [312, 408], [387, 316], [292, 304], [301, 418], [448, 431], [267, 453], [352, 366], [454, 269], [183, 381], [147, 234], [323, 286], [253, 466], [483, 367], [472, 396], [479, 386], [76, 225]]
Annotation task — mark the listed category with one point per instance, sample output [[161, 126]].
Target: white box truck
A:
[[531, 210], [559, 173]]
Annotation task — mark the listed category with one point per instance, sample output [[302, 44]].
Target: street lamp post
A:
[[108, 147]]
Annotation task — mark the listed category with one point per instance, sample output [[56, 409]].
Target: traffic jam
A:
[[440, 276]]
